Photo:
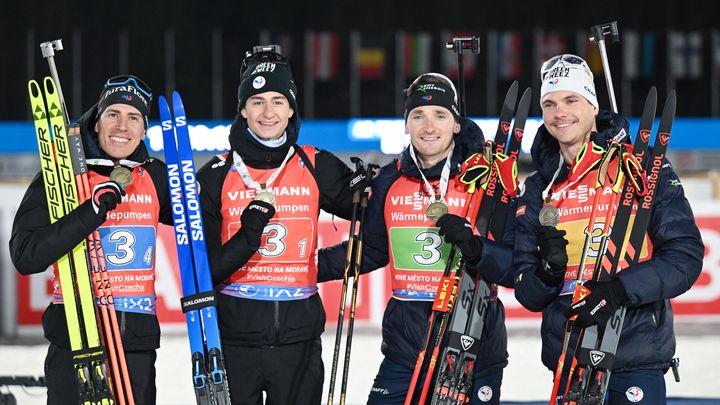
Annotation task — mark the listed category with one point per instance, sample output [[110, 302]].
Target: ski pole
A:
[[370, 172], [352, 238], [48, 52], [458, 45], [598, 33]]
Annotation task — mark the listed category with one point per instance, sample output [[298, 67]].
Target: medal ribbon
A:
[[242, 169], [444, 175]]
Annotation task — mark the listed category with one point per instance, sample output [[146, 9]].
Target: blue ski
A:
[[198, 302]]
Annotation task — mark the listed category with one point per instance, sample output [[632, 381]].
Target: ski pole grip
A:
[[598, 32], [48, 48], [48, 51]]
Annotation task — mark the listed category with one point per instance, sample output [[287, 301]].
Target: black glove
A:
[[253, 220], [552, 243], [360, 180], [599, 303], [106, 196], [458, 232]]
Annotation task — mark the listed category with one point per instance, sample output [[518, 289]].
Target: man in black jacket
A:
[[112, 132], [401, 233], [547, 257], [260, 203]]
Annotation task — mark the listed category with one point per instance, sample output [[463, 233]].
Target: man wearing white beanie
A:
[[547, 258]]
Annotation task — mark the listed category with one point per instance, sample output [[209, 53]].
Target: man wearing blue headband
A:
[[547, 258], [417, 202], [129, 199]]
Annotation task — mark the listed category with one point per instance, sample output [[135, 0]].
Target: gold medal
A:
[[436, 210], [266, 196], [121, 175], [549, 215]]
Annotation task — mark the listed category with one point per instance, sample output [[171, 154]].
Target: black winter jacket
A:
[[405, 323], [35, 244], [258, 323], [647, 340]]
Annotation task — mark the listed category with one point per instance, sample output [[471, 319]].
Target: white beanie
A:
[[568, 73]]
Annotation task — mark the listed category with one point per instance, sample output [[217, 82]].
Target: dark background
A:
[[96, 25]]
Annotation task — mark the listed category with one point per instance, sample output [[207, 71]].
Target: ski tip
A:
[[524, 105], [651, 99], [526, 94], [49, 85], [177, 101], [670, 104], [511, 97], [34, 88]]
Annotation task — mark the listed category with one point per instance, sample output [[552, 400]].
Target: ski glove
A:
[[253, 220], [106, 196], [552, 243], [360, 181], [458, 231], [598, 302]]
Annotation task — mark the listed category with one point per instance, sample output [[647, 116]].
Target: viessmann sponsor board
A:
[[703, 299]]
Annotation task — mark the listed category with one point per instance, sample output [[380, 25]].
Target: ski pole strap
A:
[[634, 171], [84, 356], [604, 170], [473, 169], [506, 167], [589, 157], [198, 301]]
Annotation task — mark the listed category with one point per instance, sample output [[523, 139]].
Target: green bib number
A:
[[418, 248]]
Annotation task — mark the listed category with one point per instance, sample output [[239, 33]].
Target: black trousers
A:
[[288, 374], [60, 376]]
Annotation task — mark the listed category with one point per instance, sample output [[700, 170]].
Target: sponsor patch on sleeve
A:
[[520, 211]]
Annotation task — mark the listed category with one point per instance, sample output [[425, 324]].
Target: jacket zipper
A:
[[277, 322]]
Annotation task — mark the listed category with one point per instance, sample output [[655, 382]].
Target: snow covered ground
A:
[[525, 377]]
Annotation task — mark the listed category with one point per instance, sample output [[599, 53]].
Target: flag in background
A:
[[549, 44], [685, 54], [631, 55], [371, 57], [417, 53], [450, 58], [638, 54], [509, 55], [648, 54], [323, 51]]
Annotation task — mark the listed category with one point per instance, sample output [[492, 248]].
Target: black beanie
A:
[[128, 90], [422, 92], [263, 76]]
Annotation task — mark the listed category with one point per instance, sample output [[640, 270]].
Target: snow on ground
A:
[[525, 378]]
